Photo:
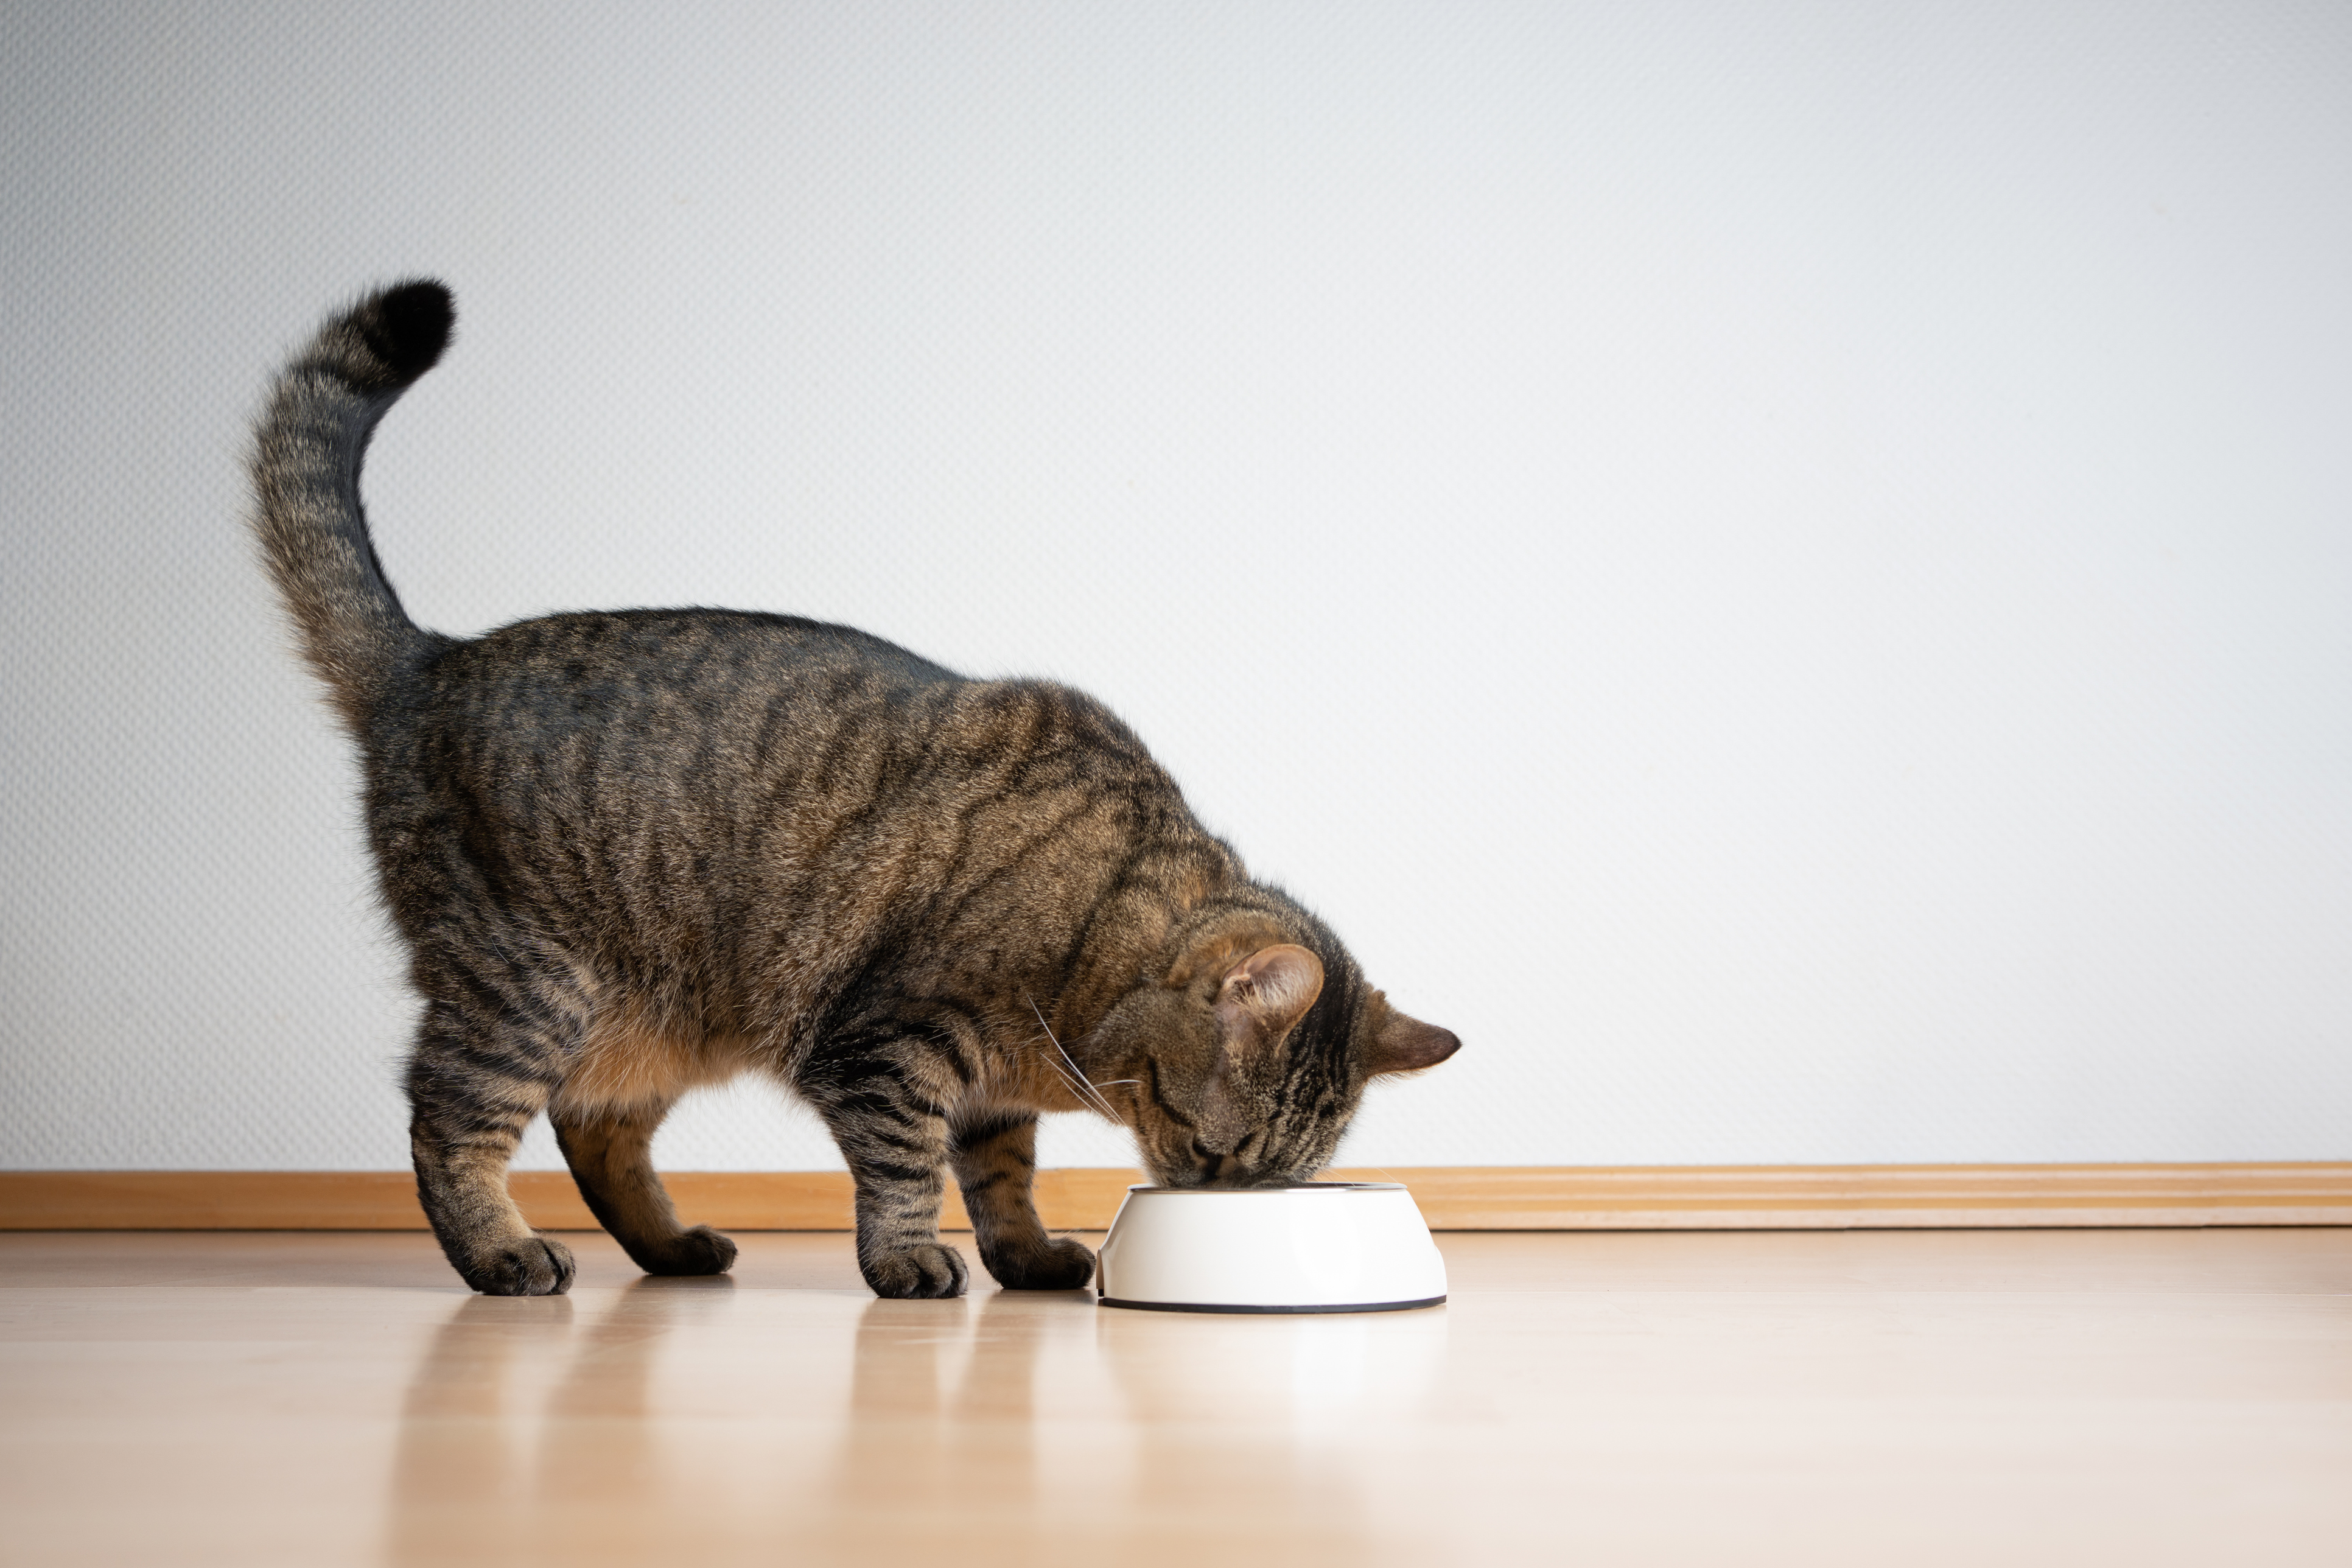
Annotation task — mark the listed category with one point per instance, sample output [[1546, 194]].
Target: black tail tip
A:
[[407, 327]]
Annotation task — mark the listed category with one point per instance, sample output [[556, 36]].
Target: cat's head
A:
[[1241, 1059]]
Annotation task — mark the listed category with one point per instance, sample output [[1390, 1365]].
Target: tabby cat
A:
[[634, 852]]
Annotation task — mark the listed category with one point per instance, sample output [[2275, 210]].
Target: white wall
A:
[[1785, 570]]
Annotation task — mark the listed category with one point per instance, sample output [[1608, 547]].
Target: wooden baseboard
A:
[[1895, 1197], [1562, 1198]]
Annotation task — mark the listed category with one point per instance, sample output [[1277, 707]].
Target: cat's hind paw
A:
[[1057, 1264], [699, 1250]]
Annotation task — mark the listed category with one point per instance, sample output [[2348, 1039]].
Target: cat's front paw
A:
[[538, 1266], [922, 1272], [1058, 1264]]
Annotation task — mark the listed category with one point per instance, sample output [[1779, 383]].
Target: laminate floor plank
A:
[[1805, 1397]]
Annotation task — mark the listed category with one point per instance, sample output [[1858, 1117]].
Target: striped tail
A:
[[305, 481]]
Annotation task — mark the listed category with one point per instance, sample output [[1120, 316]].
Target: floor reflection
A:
[[675, 1417], [938, 1437], [1255, 1423], [516, 1415]]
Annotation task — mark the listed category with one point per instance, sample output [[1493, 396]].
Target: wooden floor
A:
[[1909, 1397]]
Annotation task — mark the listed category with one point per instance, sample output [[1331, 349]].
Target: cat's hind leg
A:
[[478, 1075], [994, 1154], [610, 1150]]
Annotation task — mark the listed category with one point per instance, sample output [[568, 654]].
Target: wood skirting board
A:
[[1565, 1197]]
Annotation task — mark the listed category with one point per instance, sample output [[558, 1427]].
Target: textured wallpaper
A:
[[1785, 571]]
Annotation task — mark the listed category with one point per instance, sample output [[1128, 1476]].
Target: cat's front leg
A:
[[894, 1138], [995, 1159]]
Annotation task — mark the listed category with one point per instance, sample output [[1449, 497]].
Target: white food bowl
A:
[[1313, 1246]]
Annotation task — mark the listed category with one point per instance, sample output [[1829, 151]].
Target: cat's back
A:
[[655, 786], [633, 686], [707, 714], [553, 664]]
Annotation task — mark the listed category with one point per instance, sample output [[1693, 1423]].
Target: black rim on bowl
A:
[[1224, 1307], [1282, 1187]]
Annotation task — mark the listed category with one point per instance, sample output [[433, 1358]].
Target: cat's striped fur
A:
[[635, 852]]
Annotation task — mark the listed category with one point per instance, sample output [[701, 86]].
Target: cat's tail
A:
[[305, 481]]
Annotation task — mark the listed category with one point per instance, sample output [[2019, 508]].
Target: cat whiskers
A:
[[1074, 1086], [1080, 1084]]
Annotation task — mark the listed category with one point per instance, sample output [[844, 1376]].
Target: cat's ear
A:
[[1408, 1045], [1264, 995]]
